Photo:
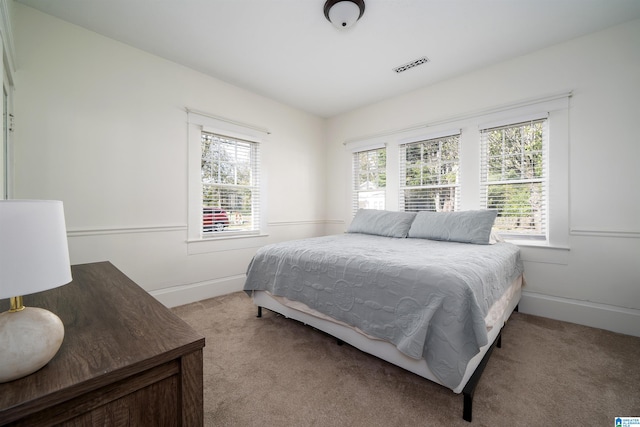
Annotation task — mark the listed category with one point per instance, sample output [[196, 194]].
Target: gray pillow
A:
[[381, 223], [465, 226]]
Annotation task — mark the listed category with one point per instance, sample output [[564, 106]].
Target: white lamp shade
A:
[[34, 254], [344, 14]]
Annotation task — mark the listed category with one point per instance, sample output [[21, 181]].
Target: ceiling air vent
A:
[[411, 64]]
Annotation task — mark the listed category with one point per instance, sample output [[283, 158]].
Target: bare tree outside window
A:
[[229, 183]]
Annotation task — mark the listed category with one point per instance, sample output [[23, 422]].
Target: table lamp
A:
[[34, 257]]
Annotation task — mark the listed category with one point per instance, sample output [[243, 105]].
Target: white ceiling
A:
[[286, 49]]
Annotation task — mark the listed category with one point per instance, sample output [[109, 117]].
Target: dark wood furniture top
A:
[[125, 360]]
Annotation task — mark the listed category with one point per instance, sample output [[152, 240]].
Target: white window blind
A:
[[514, 178], [429, 175], [369, 179], [230, 171]]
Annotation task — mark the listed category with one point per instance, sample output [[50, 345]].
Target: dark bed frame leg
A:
[[259, 312], [470, 388]]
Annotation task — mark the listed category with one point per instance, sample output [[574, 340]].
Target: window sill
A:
[[226, 235], [536, 244], [542, 252], [225, 243]]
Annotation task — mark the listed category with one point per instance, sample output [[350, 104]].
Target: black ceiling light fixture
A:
[[343, 13]]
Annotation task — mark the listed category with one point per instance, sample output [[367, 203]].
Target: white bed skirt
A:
[[495, 320]]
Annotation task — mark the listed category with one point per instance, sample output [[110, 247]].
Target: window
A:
[[369, 179], [513, 178], [429, 175], [512, 157], [230, 190], [225, 185]]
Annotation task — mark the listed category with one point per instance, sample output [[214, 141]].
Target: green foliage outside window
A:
[[372, 173], [431, 175], [370, 178], [515, 175]]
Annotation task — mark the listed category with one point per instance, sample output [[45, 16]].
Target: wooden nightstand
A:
[[126, 360]]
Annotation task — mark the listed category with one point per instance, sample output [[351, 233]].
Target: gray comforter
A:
[[428, 298]]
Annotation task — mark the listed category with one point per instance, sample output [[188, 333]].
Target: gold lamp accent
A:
[[34, 257]]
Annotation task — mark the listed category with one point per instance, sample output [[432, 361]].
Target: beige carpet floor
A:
[[273, 371]]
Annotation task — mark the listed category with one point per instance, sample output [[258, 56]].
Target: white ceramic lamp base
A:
[[30, 338]]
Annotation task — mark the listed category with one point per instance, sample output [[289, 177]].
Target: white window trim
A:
[[428, 136], [365, 145], [199, 122], [7, 70]]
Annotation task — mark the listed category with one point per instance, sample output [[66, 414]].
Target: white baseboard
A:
[[617, 319], [186, 294]]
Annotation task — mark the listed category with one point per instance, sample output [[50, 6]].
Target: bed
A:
[[429, 292]]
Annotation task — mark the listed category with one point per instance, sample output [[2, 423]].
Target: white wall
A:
[[103, 127], [597, 280]]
